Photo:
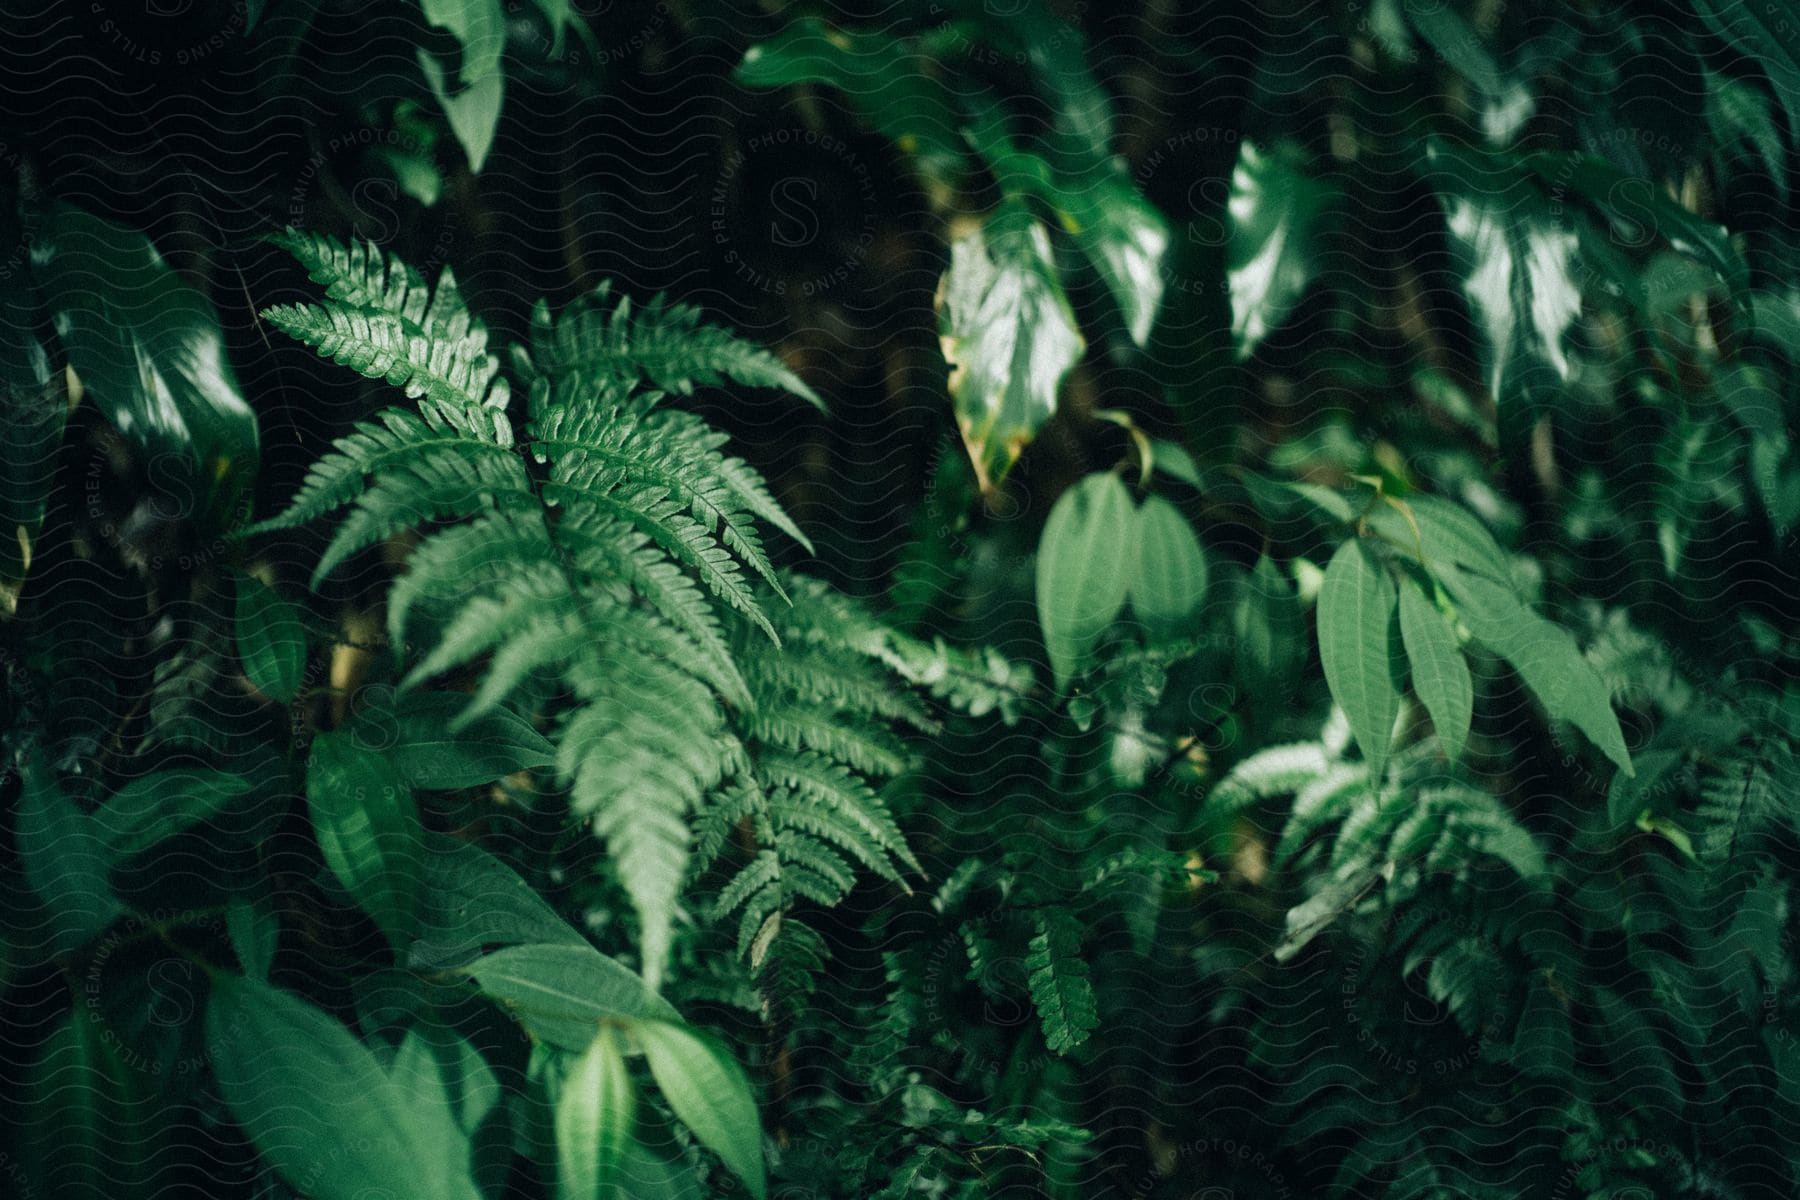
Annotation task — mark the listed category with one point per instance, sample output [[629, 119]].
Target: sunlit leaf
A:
[[148, 349], [561, 993], [1009, 335], [1168, 580], [594, 1114], [1274, 210], [708, 1091], [1084, 567], [1356, 647]]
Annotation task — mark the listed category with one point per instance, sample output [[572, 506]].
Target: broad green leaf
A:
[[1627, 796], [453, 1085], [1275, 209], [895, 87], [473, 112], [1457, 43], [64, 857], [271, 641], [147, 810], [1084, 567], [1765, 30], [1438, 534], [1439, 674], [595, 1111], [93, 1129], [1175, 461], [470, 899], [1168, 579], [1009, 335], [496, 743], [561, 993], [254, 929], [148, 349], [1356, 618], [368, 829], [708, 1091], [318, 1106], [1545, 657], [479, 26]]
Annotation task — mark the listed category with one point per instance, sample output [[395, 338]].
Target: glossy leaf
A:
[[1009, 335], [1518, 263], [1168, 579], [318, 1106], [368, 829], [271, 641], [1545, 657], [148, 349], [1274, 209], [1355, 619], [1084, 566], [1440, 676], [147, 810], [561, 993], [595, 1111], [708, 1091], [472, 111], [496, 743]]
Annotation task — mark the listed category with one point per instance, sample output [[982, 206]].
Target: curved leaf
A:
[[1083, 569], [1439, 674], [708, 1091], [368, 829], [1168, 580], [271, 641], [594, 1115], [1356, 616]]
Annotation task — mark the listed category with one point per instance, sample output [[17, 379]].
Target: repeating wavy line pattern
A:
[[1219, 1068]]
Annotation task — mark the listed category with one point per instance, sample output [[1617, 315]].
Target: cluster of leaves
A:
[[1386, 795]]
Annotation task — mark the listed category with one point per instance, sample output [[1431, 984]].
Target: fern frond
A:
[[666, 343], [383, 345], [1060, 990], [1277, 771]]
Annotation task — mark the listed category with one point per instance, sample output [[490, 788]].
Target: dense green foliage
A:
[[1187, 601]]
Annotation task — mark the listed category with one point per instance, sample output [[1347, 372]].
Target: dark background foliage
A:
[[1184, 923]]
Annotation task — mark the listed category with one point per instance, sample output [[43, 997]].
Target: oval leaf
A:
[[147, 810], [1356, 615], [270, 639], [1009, 333], [93, 1125], [470, 899], [496, 743], [562, 993], [318, 1106], [1083, 567], [368, 829], [1439, 674], [1168, 580], [594, 1115], [148, 349], [708, 1091]]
